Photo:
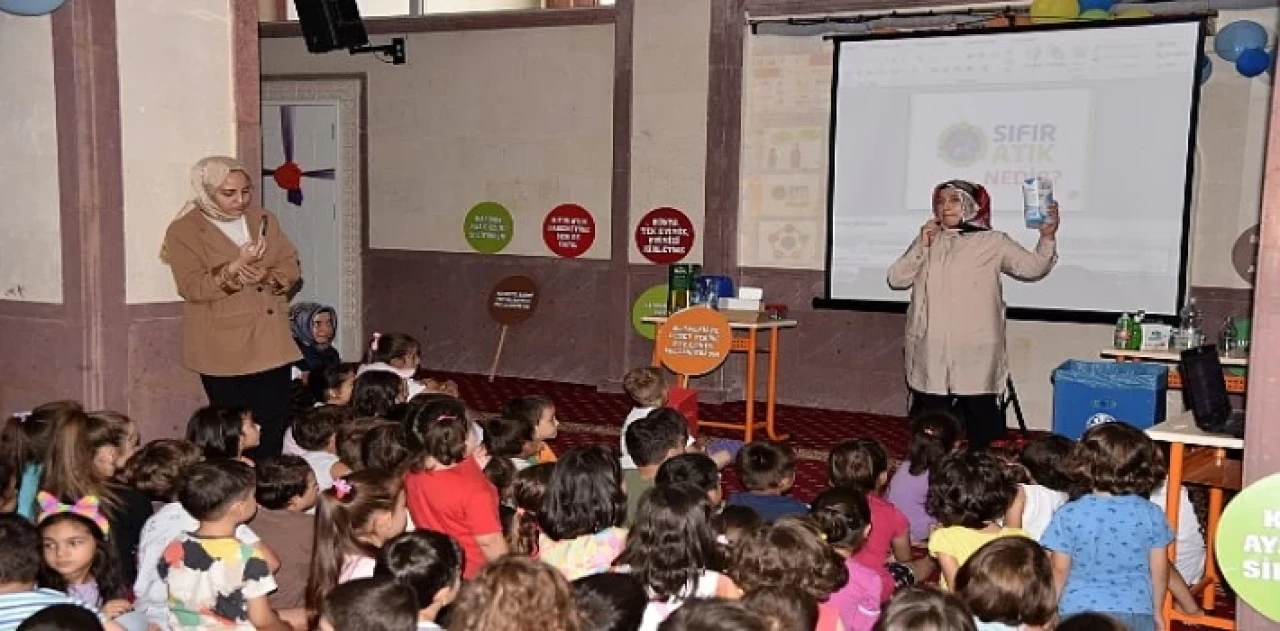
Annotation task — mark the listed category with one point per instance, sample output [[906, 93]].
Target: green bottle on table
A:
[[1135, 331], [1120, 340]]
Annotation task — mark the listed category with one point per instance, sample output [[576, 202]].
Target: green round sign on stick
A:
[[488, 227], [651, 303], [1248, 545]]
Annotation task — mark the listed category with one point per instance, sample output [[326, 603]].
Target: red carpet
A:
[[591, 417]]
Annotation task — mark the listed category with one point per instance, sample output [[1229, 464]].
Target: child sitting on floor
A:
[[767, 471], [19, 597], [968, 495], [933, 437], [652, 440], [845, 519], [369, 604], [647, 388], [215, 580], [540, 413], [317, 435], [428, 563], [861, 465], [158, 470], [286, 492], [583, 512], [446, 487], [1047, 461], [1008, 586]]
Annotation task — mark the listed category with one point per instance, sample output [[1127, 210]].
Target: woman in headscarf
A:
[[313, 326], [234, 268], [955, 341]]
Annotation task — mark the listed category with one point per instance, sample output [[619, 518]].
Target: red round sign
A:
[[569, 230], [664, 235]]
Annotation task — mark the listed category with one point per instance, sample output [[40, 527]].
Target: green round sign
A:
[[488, 227], [651, 303], [1248, 545]]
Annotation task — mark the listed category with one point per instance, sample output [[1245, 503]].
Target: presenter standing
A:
[[955, 339], [234, 269]]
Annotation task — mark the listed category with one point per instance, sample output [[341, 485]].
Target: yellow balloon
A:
[[1051, 11], [1135, 13]]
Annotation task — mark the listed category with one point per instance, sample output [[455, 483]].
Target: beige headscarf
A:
[[206, 176]]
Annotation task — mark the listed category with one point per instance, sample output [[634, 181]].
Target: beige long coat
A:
[[229, 332], [955, 342]]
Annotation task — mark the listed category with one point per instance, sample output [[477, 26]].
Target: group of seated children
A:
[[390, 511]]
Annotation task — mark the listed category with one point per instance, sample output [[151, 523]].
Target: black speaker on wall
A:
[[331, 24]]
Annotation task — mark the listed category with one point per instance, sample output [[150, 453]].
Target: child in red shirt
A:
[[446, 488]]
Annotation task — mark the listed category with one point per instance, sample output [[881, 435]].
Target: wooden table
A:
[[746, 339], [1236, 384], [1207, 464]]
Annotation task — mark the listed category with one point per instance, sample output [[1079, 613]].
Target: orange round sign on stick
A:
[[694, 341]]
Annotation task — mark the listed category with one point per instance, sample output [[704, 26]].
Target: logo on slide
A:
[[962, 145]]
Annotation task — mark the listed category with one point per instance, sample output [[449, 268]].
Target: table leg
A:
[[771, 391], [1215, 514], [1173, 503], [752, 347]]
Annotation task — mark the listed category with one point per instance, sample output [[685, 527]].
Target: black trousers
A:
[[267, 394], [983, 420]]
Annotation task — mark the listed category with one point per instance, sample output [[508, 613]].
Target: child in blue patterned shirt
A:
[[1110, 545]]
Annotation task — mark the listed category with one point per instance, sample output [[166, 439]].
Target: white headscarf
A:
[[206, 176]]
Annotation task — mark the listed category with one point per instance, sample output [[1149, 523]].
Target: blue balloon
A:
[[1237, 37], [1206, 69], [1253, 62], [1100, 5], [30, 7]]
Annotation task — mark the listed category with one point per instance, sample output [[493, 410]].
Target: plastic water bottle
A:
[[1121, 338], [1190, 318]]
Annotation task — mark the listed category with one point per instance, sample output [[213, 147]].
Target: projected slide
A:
[[998, 139], [1105, 113]]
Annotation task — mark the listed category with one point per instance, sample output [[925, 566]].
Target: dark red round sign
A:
[[664, 235], [569, 230]]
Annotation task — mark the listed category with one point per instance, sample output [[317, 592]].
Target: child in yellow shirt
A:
[[968, 494]]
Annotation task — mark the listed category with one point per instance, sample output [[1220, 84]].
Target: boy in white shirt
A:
[[647, 388]]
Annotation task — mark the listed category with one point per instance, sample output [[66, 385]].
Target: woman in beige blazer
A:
[[234, 268], [955, 341]]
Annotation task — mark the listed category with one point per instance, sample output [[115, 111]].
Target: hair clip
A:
[[373, 343], [89, 507], [341, 488], [22, 416], [822, 536]]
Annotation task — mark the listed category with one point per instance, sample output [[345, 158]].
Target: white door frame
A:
[[347, 93]]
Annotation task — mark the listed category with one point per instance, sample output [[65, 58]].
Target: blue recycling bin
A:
[[1126, 391]]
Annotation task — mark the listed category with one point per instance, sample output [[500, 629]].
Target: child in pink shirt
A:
[[845, 519], [861, 465]]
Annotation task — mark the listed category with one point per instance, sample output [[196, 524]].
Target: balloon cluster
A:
[[1051, 11], [1244, 42]]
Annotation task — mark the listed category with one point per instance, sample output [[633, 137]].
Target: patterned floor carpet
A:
[[591, 417]]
